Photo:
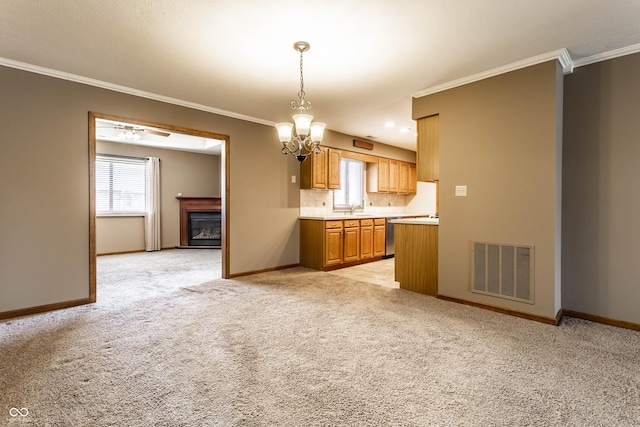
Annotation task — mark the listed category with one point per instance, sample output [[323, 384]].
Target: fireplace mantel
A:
[[195, 204]]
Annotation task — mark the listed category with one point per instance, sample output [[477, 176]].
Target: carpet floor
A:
[[170, 345]]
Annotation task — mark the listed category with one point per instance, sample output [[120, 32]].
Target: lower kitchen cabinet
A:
[[379, 237], [351, 241], [333, 238], [330, 244], [366, 238]]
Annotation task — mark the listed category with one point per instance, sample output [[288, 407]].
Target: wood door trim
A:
[[225, 184]]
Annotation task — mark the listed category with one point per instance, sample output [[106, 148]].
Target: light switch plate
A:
[[461, 191], [293, 179]]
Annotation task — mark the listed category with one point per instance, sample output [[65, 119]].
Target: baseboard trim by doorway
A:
[[604, 320], [136, 251], [264, 270], [43, 308], [547, 320]]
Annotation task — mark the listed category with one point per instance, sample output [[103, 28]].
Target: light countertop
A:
[[363, 216], [417, 221]]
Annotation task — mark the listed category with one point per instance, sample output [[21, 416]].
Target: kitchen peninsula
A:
[[416, 257]]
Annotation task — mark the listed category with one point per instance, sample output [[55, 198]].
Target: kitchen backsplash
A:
[[320, 203]]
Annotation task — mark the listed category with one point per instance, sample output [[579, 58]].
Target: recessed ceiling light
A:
[[389, 124], [405, 130]]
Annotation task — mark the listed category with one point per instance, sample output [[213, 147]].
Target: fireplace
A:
[[200, 222], [205, 229]]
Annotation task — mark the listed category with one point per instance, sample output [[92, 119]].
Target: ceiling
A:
[[112, 131], [367, 58]]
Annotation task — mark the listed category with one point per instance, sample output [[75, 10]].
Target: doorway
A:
[[122, 125]]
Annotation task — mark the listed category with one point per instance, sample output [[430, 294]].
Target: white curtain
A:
[[152, 216]]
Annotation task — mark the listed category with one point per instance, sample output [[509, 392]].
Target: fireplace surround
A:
[[200, 222]]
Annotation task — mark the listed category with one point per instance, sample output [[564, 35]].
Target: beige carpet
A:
[[304, 348]]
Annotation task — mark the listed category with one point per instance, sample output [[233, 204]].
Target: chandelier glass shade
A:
[[302, 137]]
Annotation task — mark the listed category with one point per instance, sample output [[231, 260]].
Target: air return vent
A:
[[504, 271]]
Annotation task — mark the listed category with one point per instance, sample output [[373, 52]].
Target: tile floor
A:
[[378, 272]]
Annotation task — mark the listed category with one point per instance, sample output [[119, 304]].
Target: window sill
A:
[[128, 215]]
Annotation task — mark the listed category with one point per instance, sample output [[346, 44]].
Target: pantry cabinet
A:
[[428, 149]]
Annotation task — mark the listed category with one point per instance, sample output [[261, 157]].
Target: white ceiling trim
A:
[[130, 91], [616, 53], [562, 55]]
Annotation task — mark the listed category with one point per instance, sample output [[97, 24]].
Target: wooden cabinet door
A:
[[351, 244], [393, 176], [319, 169], [379, 236], [366, 239], [403, 177], [383, 175], [413, 184], [313, 172], [333, 246], [333, 165], [428, 149]]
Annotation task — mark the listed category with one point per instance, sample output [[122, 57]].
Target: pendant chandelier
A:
[[303, 137]]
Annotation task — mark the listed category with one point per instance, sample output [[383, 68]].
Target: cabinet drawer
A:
[[366, 222], [379, 221], [351, 223], [333, 224]]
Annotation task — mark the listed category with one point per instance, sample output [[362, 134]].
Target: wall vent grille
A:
[[504, 271]]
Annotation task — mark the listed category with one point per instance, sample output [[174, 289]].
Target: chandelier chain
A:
[[301, 94], [301, 104]]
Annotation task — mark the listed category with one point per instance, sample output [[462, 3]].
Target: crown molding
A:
[[616, 53], [127, 90], [561, 55]]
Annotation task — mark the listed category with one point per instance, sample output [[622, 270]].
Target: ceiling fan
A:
[[133, 132]]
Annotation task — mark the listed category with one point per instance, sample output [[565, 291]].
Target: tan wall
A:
[[345, 142], [192, 174], [119, 234], [601, 201], [44, 186], [499, 138]]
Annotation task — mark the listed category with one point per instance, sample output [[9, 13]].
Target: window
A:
[[351, 192], [120, 185]]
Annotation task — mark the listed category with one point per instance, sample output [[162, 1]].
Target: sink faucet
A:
[[353, 207]]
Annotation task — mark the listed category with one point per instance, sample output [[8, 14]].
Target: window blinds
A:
[[120, 185]]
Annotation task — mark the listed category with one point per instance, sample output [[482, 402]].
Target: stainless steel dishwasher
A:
[[388, 251]]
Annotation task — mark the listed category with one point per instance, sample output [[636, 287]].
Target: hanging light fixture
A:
[[303, 137]]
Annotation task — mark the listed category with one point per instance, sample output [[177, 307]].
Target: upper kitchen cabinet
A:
[[381, 179], [394, 172], [428, 149], [413, 184], [391, 176], [321, 171], [333, 174]]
